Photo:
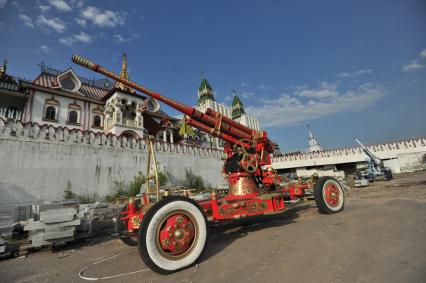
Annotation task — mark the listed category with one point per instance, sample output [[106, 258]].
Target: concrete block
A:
[[57, 218], [57, 215], [33, 226], [75, 222], [56, 235], [37, 240]]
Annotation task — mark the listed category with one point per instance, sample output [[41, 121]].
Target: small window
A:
[[73, 117], [68, 84], [97, 121], [50, 113]]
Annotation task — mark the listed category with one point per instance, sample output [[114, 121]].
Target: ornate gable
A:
[[68, 81]]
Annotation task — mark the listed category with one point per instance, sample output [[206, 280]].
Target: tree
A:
[[136, 183], [68, 193], [193, 181]]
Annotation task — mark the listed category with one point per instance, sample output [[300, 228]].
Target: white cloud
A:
[[46, 49], [26, 20], [44, 8], [262, 87], [246, 95], [423, 53], [355, 73], [54, 23], [81, 22], [364, 71], [101, 18], [67, 40], [244, 84], [81, 37], [78, 3], [289, 110], [413, 66], [324, 91], [60, 5], [2, 3], [119, 37]]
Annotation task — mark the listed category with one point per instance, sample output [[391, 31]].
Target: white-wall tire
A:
[[329, 195], [154, 225]]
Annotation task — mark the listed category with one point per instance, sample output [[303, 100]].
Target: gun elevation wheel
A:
[[329, 195], [173, 234]]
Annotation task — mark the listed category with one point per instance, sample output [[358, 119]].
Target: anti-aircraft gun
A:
[[375, 166], [171, 231]]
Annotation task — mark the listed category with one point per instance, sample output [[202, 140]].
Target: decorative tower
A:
[[205, 92], [125, 75], [123, 109], [313, 145], [3, 69], [237, 107]]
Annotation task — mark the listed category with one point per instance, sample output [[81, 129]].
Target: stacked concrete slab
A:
[[2, 246], [57, 225], [64, 222]]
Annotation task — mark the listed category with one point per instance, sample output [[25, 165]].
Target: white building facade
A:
[[63, 99]]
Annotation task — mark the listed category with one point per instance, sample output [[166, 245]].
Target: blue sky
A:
[[348, 68]]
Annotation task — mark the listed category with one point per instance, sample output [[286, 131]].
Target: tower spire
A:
[[237, 107], [125, 75], [3, 69], [313, 145], [205, 91], [310, 134]]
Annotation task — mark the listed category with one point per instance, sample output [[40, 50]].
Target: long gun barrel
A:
[[367, 151], [212, 122]]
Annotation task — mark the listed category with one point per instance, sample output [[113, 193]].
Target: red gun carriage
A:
[[172, 231]]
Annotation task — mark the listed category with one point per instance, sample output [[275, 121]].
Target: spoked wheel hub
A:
[[332, 195], [176, 235]]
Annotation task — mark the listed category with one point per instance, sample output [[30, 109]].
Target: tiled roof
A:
[[11, 86], [9, 83], [49, 80]]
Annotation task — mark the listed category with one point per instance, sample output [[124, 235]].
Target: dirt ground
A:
[[379, 237]]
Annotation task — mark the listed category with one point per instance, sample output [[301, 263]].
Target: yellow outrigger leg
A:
[[151, 154]]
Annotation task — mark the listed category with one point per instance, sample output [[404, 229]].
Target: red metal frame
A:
[[231, 206]]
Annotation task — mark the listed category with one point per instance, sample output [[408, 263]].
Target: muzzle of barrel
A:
[[84, 62]]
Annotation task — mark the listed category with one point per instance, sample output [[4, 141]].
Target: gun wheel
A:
[[329, 195], [173, 235]]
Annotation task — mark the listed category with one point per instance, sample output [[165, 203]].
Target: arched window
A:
[[50, 113], [97, 121], [73, 117]]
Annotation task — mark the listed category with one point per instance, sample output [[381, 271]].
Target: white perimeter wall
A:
[[36, 162], [400, 156]]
